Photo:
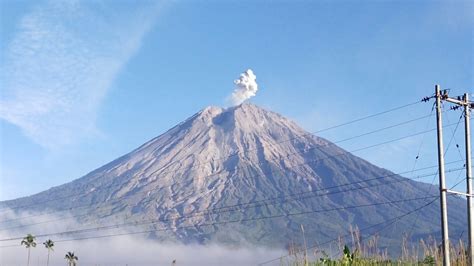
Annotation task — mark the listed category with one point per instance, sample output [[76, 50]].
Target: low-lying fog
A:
[[120, 250]]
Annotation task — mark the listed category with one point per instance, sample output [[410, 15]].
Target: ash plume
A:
[[245, 87]]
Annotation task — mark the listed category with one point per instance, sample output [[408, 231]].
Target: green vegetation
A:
[[353, 259], [367, 253]]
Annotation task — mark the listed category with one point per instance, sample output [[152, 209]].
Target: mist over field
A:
[[120, 250], [137, 251]]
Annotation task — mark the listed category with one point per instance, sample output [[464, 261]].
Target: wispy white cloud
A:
[[61, 63]]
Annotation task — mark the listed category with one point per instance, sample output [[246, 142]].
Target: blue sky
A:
[[83, 82]]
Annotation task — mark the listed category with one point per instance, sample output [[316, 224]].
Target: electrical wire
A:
[[239, 168], [415, 221], [279, 258], [259, 203], [306, 162], [227, 221], [238, 152], [390, 221]]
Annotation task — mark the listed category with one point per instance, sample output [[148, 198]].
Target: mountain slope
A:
[[229, 157]]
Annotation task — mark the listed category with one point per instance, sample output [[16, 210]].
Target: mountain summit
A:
[[243, 174]]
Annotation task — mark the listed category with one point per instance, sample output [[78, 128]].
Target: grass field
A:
[[357, 252]]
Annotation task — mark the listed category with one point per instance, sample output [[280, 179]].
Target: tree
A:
[[71, 258], [48, 244], [29, 242]]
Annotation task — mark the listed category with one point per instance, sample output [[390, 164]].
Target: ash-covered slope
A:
[[184, 180]]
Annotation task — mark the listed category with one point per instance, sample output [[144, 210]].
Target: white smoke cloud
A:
[[120, 250], [245, 87]]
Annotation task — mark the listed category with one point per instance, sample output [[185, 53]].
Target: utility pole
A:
[[442, 181], [464, 102], [470, 206]]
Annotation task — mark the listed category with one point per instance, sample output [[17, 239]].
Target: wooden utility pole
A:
[[442, 181]]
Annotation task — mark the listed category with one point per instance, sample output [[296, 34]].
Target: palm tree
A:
[[71, 258], [48, 244], [29, 242]]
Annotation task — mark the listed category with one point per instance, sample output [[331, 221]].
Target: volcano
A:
[[242, 175]]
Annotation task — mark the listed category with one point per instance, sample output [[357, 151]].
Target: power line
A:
[[418, 214], [453, 137], [307, 134], [417, 157], [398, 218], [278, 159], [228, 221], [263, 202], [423, 138], [320, 159], [434, 176], [213, 211], [238, 152], [306, 163], [180, 218], [369, 116], [316, 147], [401, 179], [286, 214], [391, 221]]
